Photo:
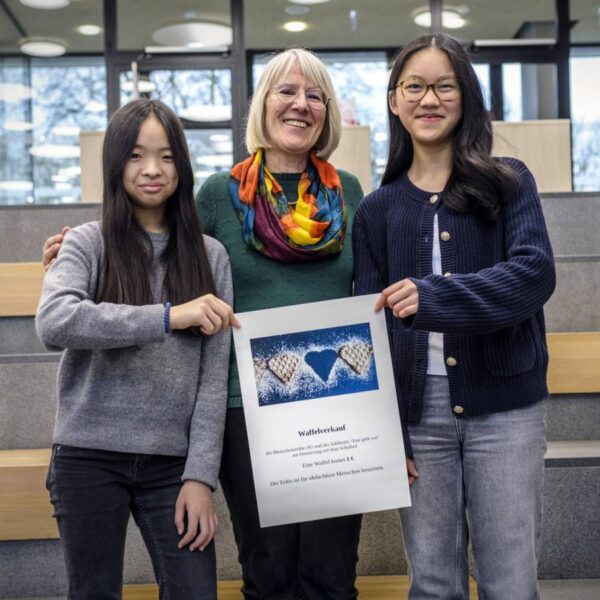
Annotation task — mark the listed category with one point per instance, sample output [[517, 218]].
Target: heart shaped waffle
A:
[[260, 366], [357, 355], [285, 367]]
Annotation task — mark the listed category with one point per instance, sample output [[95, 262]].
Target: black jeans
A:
[[315, 560], [93, 493]]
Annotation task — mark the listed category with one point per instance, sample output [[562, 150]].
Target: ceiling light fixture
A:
[[18, 126], [42, 47], [194, 35], [144, 86], [297, 10], [451, 19], [309, 1], [66, 130], [57, 151], [89, 29], [219, 137], [295, 26], [203, 112], [215, 160], [95, 106], [45, 4], [16, 186], [15, 92], [73, 171]]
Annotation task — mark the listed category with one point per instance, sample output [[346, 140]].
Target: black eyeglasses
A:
[[415, 88]]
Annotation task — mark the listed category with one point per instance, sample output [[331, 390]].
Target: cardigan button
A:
[[459, 410], [447, 274], [445, 236], [451, 361], [433, 199]]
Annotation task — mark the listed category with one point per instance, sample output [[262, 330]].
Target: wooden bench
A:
[[20, 287]]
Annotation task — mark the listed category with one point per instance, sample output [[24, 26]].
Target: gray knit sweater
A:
[[123, 383]]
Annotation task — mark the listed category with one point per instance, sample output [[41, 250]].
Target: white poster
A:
[[321, 410]]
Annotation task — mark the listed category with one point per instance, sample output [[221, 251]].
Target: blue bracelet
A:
[[167, 317]]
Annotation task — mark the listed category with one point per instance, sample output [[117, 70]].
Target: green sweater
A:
[[260, 282]]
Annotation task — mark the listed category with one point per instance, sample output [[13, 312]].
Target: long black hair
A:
[[127, 247], [478, 182]]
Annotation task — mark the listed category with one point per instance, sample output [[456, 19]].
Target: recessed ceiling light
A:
[[15, 92], [45, 4], [66, 130], [73, 171], [204, 112], [219, 137], [184, 34], [295, 26], [16, 186], [18, 125], [144, 86], [309, 1], [43, 48], [297, 10], [223, 147], [58, 151], [215, 160], [59, 178], [89, 29], [95, 106], [451, 19]]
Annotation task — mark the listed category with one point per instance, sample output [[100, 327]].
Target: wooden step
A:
[[25, 509], [574, 363], [20, 287], [373, 587]]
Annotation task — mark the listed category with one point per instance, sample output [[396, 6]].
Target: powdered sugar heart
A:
[[321, 362]]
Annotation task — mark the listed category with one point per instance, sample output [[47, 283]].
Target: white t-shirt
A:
[[435, 351]]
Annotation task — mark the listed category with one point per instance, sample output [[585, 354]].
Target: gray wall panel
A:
[[24, 229], [572, 221], [574, 304], [18, 336]]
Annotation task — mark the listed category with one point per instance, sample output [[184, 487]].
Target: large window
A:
[[585, 116], [44, 105]]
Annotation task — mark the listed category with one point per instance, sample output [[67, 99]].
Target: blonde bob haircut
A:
[[314, 70]]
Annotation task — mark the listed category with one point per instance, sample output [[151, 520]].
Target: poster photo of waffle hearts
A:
[[321, 410], [314, 364]]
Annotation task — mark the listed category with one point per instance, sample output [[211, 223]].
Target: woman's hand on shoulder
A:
[[402, 298], [194, 508], [208, 312], [52, 246]]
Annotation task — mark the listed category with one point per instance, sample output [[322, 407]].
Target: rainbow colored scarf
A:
[[315, 227]]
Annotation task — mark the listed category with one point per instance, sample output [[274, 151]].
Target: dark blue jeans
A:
[[315, 560], [93, 493]]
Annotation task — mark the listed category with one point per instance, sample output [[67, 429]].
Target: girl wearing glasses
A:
[[455, 242]]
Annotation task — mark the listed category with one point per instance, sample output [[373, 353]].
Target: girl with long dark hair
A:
[[455, 243], [140, 304]]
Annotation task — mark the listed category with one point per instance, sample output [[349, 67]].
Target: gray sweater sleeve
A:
[[68, 317], [208, 418]]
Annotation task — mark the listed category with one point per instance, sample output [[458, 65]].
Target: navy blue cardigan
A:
[[488, 304]]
